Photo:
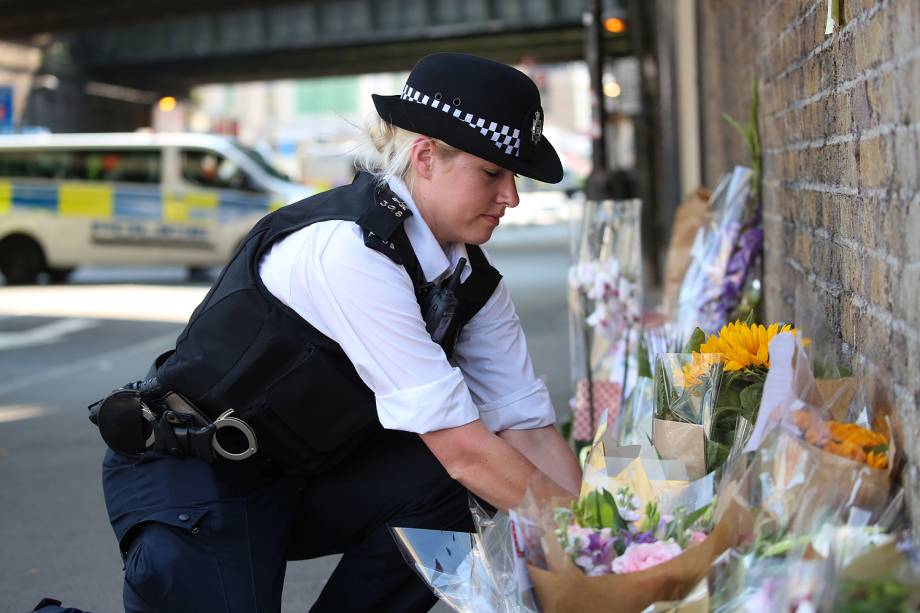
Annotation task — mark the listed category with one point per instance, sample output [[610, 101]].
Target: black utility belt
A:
[[142, 417]]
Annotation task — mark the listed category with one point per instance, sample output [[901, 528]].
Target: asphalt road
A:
[[62, 347]]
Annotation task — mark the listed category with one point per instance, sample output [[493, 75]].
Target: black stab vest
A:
[[244, 349]]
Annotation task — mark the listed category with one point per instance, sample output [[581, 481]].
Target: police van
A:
[[137, 199]]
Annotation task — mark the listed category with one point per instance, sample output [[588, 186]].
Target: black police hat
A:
[[479, 106]]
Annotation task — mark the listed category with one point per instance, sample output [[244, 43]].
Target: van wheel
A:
[[21, 260], [59, 275]]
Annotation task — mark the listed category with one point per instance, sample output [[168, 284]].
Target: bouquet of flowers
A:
[[707, 400], [884, 578], [812, 511], [607, 533], [605, 306], [686, 391], [724, 252], [640, 532], [818, 484], [634, 423]]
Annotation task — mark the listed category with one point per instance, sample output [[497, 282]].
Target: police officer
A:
[[367, 359]]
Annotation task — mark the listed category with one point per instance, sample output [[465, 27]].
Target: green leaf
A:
[[737, 126], [662, 402], [784, 546], [587, 510], [728, 397], [726, 412], [750, 397], [696, 339], [750, 319], [565, 429], [716, 454], [692, 517], [645, 369], [880, 448], [610, 517]]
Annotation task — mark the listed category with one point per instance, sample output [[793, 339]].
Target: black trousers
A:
[[202, 537]]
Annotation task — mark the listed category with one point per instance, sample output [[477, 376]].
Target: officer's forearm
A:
[[488, 466], [549, 452]]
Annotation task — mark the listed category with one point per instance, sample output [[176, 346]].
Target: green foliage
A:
[[696, 340], [678, 528], [886, 595], [750, 133], [598, 510], [645, 369], [565, 428], [716, 454], [750, 397]]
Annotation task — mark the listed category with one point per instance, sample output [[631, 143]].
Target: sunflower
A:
[[699, 366], [744, 346]]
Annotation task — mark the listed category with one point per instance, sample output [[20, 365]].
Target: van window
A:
[[210, 169], [126, 166], [38, 164], [132, 166]]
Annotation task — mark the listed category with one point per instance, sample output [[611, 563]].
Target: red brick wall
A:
[[840, 125]]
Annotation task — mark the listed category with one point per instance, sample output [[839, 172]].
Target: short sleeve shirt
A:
[[366, 303]]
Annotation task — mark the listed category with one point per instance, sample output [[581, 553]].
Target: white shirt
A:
[[366, 303]]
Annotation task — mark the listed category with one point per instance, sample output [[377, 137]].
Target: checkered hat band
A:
[[505, 138]]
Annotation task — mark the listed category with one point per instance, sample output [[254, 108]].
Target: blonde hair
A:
[[386, 151]]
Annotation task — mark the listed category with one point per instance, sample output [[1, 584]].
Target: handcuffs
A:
[[142, 417]]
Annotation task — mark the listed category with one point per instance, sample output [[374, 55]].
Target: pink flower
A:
[[639, 556], [697, 537]]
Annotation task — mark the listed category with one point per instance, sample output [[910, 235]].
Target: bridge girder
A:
[[326, 37]]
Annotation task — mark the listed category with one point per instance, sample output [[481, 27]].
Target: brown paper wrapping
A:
[[840, 481], [797, 482], [689, 217], [565, 588]]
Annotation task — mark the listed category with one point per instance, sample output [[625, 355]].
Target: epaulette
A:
[[387, 213], [381, 220]]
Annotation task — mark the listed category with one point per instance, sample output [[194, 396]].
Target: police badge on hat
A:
[[536, 128]]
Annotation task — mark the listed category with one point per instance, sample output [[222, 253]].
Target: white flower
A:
[[599, 317]]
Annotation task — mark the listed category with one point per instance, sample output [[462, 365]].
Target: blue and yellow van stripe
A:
[[6, 196], [34, 197], [101, 201], [191, 206]]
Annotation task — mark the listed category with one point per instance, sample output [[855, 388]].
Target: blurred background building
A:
[[293, 79]]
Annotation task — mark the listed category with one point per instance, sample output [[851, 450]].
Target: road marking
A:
[[159, 343], [45, 334], [130, 302], [18, 412]]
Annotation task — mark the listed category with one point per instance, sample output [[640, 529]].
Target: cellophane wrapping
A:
[[605, 307]]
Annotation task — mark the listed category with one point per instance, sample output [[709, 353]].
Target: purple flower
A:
[[749, 247], [645, 537], [592, 550]]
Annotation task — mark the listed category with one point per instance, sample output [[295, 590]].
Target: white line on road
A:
[[159, 343], [44, 334], [18, 412], [131, 302]]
